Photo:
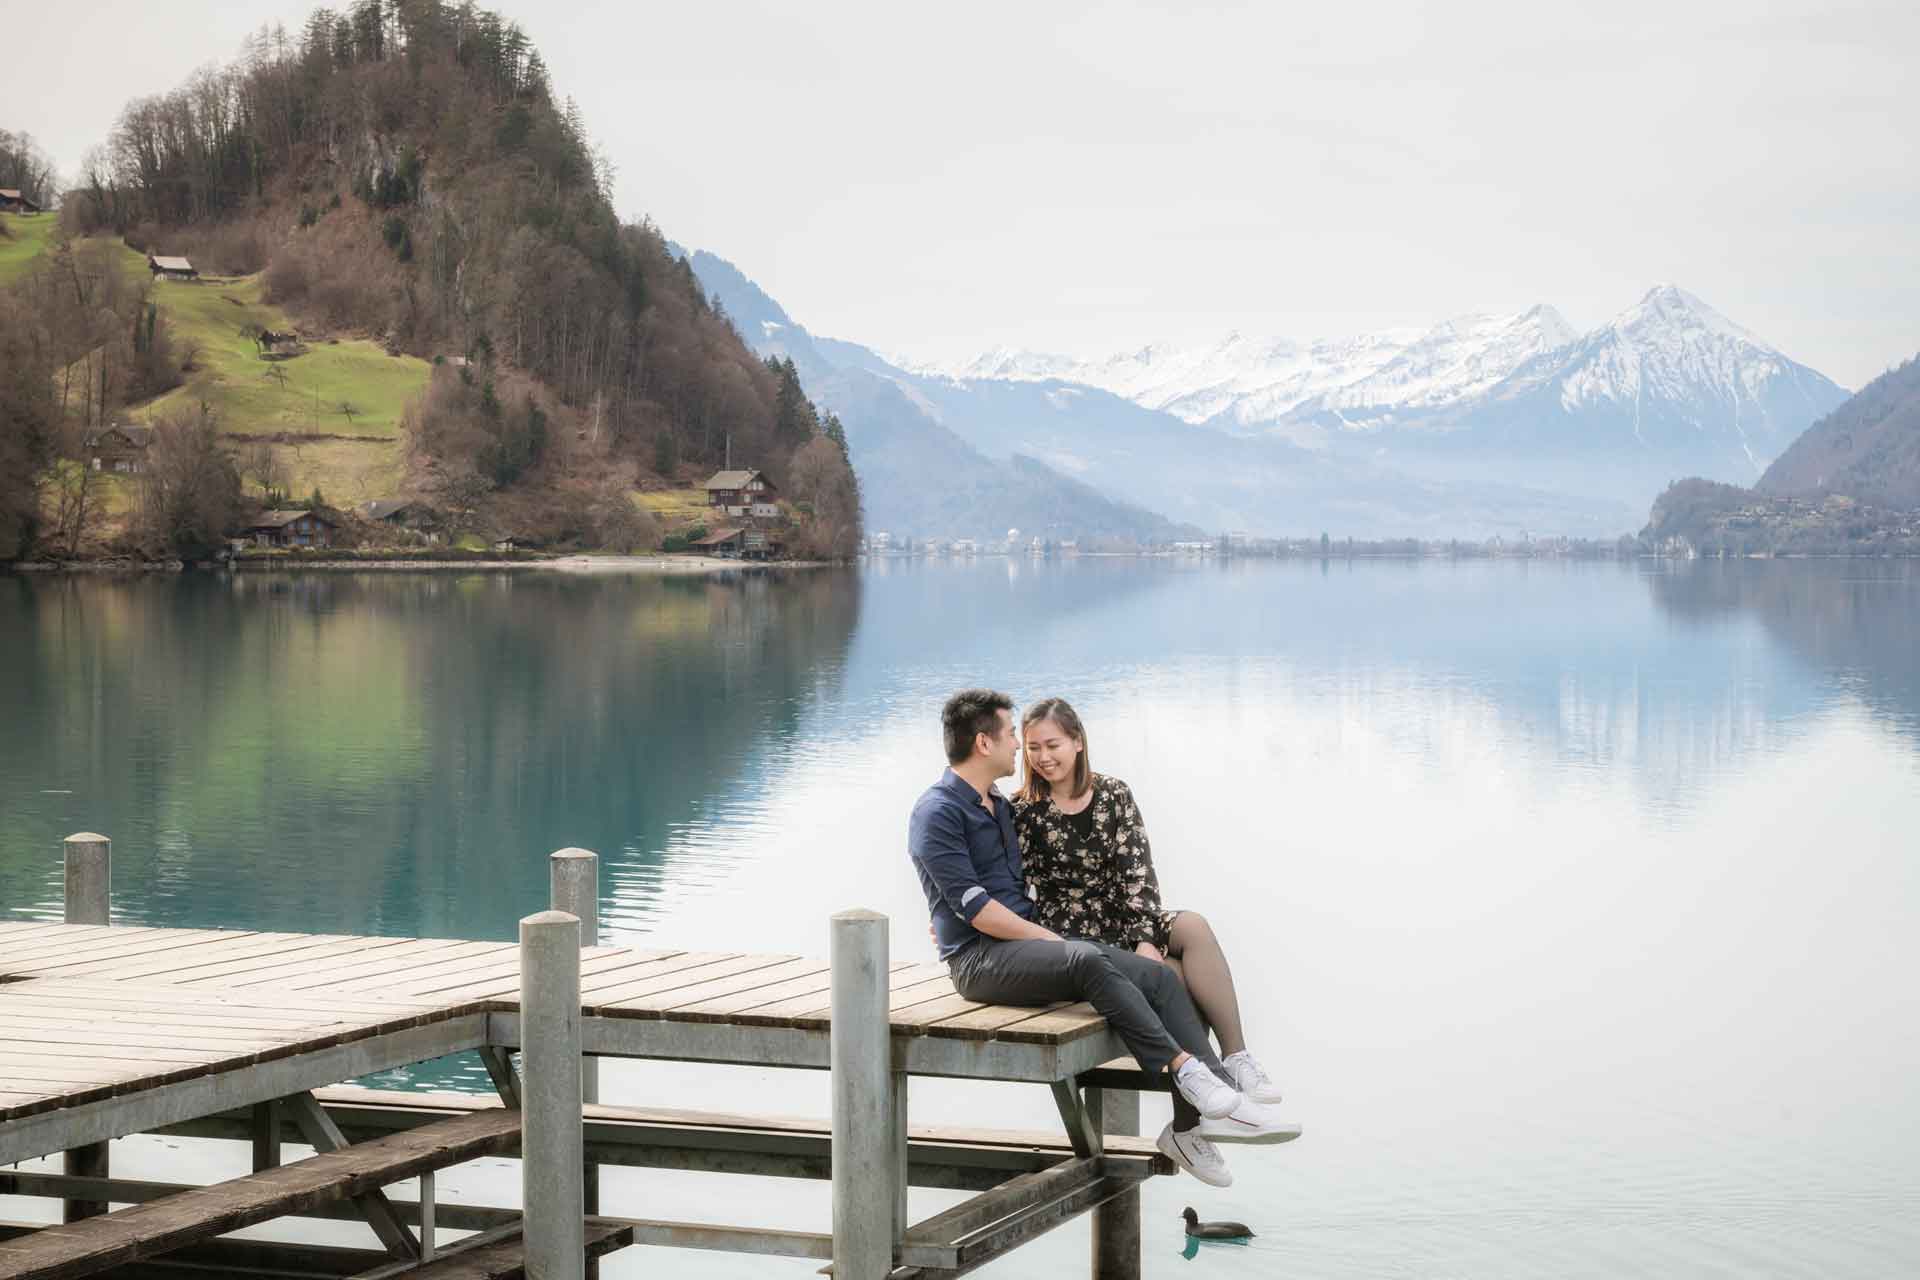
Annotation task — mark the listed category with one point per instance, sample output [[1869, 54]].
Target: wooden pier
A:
[[107, 1031]]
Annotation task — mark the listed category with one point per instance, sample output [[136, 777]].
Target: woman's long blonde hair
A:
[[1033, 787]]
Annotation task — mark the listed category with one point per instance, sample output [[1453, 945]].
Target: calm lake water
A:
[[1574, 903]]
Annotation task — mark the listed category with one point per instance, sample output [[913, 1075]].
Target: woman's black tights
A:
[[1195, 953]]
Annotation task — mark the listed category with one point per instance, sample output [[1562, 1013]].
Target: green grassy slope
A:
[[348, 387], [300, 400], [32, 233]]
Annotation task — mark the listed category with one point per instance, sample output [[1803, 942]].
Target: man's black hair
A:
[[967, 713]]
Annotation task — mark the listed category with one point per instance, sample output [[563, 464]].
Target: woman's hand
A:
[[1150, 951]]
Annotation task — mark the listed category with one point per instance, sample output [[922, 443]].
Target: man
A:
[[963, 846]]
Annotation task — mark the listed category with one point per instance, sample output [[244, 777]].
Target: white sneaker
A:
[[1250, 1078], [1196, 1155], [1210, 1095], [1248, 1122]]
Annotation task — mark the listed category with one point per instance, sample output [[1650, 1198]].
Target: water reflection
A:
[[1572, 901], [383, 753]]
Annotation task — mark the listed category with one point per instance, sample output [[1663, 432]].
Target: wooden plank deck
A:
[[93, 1014], [361, 974]]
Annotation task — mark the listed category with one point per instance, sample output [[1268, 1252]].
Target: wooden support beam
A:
[[266, 1134], [1116, 1224], [1083, 1131], [161, 1226], [499, 1065], [323, 1135]]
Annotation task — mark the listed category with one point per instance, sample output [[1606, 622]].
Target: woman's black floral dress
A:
[[1099, 886]]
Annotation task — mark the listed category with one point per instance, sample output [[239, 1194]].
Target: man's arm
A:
[[939, 844], [996, 921]]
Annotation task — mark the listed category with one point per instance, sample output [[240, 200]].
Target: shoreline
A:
[[575, 564]]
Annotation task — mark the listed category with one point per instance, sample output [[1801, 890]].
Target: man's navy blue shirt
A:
[[965, 857]]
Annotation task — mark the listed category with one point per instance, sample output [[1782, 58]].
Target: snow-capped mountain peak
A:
[[1249, 381]]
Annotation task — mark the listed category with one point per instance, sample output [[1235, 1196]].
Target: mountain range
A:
[[1668, 387], [945, 455]]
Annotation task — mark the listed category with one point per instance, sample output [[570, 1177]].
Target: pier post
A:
[[89, 878], [89, 882], [1116, 1224], [867, 1169], [552, 1154], [574, 887]]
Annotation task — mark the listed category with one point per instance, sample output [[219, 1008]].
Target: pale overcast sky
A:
[[935, 180]]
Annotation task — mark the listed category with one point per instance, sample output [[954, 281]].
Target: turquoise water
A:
[[1573, 902]]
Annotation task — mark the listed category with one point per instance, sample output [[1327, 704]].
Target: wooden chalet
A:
[[292, 529], [749, 543], [12, 201], [119, 449], [401, 513], [171, 268], [742, 495]]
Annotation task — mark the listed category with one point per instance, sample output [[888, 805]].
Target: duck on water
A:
[[1198, 1230]]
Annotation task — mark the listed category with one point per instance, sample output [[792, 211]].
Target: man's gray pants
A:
[[1143, 1000]]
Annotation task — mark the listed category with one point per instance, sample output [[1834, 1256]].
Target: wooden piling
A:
[[89, 900], [574, 887], [1116, 1224], [866, 1158], [552, 1154]]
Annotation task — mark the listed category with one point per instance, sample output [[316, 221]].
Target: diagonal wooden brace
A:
[[324, 1135]]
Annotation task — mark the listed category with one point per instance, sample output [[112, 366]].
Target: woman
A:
[[1090, 875]]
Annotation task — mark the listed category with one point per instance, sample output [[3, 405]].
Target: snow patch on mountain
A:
[[1253, 382]]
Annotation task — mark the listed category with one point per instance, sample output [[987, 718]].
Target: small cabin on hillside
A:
[[122, 450], [292, 529], [12, 201], [742, 494], [171, 268], [402, 513]]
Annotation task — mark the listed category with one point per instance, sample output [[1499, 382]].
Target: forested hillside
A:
[[401, 173], [1868, 448], [1849, 485]]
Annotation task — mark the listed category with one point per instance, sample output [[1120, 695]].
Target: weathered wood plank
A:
[[323, 948], [650, 999], [96, 958], [671, 973], [354, 1054], [983, 1023], [733, 984], [177, 969], [100, 1045], [68, 939], [147, 1230], [1048, 1026], [502, 1257], [265, 1008], [126, 1034], [354, 950], [388, 960]]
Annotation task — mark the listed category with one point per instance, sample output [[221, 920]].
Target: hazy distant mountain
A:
[[1246, 382], [1868, 448], [917, 477], [1670, 387], [916, 425]]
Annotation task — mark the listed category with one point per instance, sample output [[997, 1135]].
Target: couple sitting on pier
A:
[[1052, 896]]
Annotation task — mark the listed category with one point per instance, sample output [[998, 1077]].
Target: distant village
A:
[[881, 545]]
